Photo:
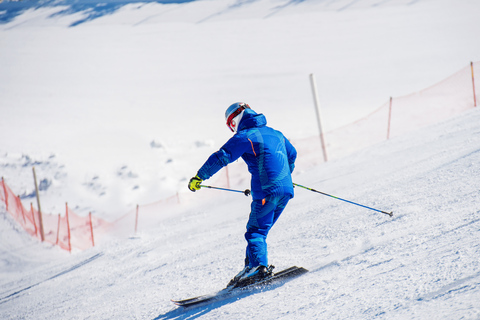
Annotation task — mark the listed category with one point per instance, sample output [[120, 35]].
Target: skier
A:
[[271, 159]]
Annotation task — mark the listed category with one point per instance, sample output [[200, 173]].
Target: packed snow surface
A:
[[119, 102]]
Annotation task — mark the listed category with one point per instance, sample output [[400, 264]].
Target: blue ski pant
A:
[[264, 213]]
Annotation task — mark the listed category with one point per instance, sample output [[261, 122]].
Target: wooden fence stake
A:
[[389, 118], [40, 219], [68, 228], [58, 229], [91, 228], [317, 110], [473, 83]]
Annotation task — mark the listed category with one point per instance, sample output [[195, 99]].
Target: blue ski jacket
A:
[[270, 157]]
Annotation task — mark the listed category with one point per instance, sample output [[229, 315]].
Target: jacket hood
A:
[[251, 119]]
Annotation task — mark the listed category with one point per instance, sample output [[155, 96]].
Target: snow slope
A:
[[423, 262], [130, 77], [120, 101]]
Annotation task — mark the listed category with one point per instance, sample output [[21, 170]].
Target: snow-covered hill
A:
[[127, 104], [423, 262], [124, 107]]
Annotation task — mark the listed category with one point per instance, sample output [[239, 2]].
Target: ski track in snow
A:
[[362, 264], [21, 291]]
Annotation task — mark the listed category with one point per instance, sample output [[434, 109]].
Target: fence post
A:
[[389, 118], [58, 229], [317, 110], [91, 228], [40, 219], [68, 228], [473, 83]]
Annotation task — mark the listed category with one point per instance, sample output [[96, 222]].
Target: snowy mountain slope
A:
[[363, 264], [124, 107], [98, 95]]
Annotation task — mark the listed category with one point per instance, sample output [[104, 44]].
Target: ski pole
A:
[[246, 192], [361, 205]]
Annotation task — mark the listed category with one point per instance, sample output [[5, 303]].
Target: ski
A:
[[283, 275]]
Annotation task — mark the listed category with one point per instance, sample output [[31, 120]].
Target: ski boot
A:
[[235, 279], [251, 275]]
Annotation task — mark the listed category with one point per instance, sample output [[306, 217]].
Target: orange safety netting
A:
[[26, 218], [400, 115], [68, 232]]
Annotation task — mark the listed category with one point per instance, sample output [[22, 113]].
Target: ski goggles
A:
[[230, 118]]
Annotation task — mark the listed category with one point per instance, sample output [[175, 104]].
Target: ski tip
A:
[[301, 270], [178, 302]]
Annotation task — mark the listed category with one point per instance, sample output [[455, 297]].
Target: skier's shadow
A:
[[195, 312]]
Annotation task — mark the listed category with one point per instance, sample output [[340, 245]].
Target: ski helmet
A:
[[234, 114]]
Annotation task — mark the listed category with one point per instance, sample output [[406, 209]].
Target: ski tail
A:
[[278, 277]]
